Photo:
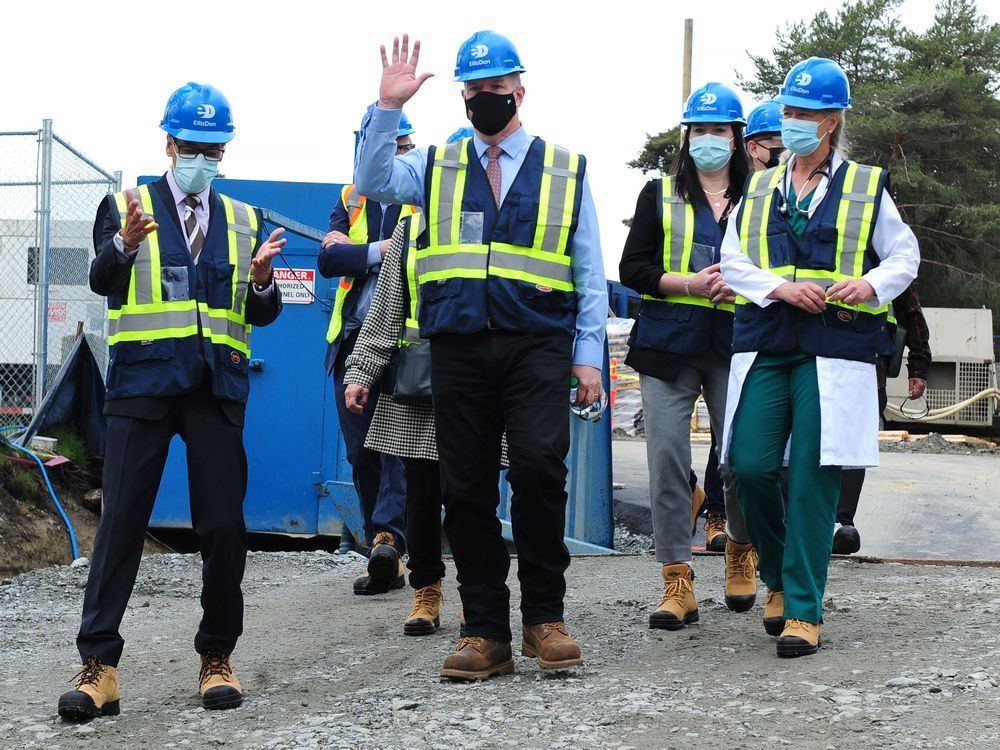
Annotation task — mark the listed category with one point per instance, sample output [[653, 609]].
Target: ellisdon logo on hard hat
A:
[[709, 98], [478, 52], [206, 112], [801, 82]]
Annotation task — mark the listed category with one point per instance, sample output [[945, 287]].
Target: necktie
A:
[[493, 171], [195, 236]]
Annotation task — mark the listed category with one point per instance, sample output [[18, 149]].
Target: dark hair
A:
[[686, 173]]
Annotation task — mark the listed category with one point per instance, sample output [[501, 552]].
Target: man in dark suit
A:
[[186, 275], [353, 249]]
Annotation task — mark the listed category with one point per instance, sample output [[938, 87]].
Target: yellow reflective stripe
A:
[[146, 200], [668, 219], [560, 215], [544, 194], [681, 299], [866, 221], [154, 335], [844, 208], [454, 273], [532, 265], [162, 307]]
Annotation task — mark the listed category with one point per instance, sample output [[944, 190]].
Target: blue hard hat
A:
[[460, 134], [816, 83], [199, 113], [713, 102], [764, 118], [405, 127], [486, 54]]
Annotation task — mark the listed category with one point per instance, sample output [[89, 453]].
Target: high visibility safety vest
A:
[[175, 315], [836, 246], [680, 323], [357, 224], [510, 267]]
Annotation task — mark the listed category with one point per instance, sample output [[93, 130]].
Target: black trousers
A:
[[485, 383], [715, 499], [423, 521], [217, 481]]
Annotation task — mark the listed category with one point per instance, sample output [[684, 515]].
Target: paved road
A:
[[914, 506]]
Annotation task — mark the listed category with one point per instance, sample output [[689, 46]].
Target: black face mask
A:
[[491, 112], [775, 153]]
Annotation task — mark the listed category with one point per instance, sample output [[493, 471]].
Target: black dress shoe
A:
[[367, 586], [846, 541]]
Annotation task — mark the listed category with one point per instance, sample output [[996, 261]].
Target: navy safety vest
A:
[[680, 323], [177, 316], [836, 246], [359, 233], [508, 268]]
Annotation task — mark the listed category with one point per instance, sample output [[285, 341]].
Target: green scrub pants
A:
[[780, 397]]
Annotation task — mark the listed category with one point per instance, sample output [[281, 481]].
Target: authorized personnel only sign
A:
[[297, 285]]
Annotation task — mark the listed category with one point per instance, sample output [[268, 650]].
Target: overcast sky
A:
[[600, 76]]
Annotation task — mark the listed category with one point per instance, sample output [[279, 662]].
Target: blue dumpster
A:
[[298, 468]]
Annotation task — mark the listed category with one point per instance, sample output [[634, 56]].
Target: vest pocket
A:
[[220, 290], [666, 326], [129, 352], [819, 248], [779, 250], [174, 283], [540, 297]]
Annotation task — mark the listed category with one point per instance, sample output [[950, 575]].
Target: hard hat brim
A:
[[803, 103], [478, 75], [712, 118], [199, 136]]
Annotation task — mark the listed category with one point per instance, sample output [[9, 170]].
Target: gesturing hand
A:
[[399, 77], [803, 294], [137, 224], [262, 260]]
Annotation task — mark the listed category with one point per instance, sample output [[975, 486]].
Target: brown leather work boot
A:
[[425, 617], [218, 685], [697, 501], [799, 638], [774, 612], [715, 533], [678, 606], [551, 644], [95, 694], [384, 565], [478, 659], [741, 576]]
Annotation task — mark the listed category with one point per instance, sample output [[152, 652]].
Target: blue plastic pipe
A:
[[69, 524]]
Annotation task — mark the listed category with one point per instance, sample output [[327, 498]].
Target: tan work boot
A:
[[799, 638], [697, 501], [425, 617], [741, 576], [384, 565], [551, 644], [678, 606], [218, 685], [478, 659], [774, 612], [715, 533], [95, 694]]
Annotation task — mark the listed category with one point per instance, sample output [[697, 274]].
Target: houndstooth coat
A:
[[396, 429]]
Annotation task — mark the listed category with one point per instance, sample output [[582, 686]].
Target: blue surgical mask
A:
[[194, 173], [800, 136], [710, 152]]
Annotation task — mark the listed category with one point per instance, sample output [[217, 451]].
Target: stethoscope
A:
[[823, 170]]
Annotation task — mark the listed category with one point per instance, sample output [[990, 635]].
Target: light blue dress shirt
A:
[[383, 176]]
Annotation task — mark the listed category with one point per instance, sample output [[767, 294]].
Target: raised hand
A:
[[399, 77], [261, 262], [137, 224]]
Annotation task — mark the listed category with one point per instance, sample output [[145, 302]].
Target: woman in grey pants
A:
[[682, 341]]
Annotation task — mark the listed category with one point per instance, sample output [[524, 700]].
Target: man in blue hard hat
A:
[[514, 302], [353, 250], [763, 135], [186, 272]]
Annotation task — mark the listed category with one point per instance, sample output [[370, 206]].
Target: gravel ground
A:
[[910, 660]]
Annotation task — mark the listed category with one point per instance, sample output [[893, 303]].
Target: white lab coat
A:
[[848, 390]]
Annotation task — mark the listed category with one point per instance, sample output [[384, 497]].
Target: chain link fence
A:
[[49, 193]]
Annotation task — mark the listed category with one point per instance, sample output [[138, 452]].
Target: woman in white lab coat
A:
[[816, 253]]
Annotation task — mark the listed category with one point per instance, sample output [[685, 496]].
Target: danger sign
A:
[[297, 285]]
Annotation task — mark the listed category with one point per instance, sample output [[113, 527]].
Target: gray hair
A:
[[514, 77], [838, 138]]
